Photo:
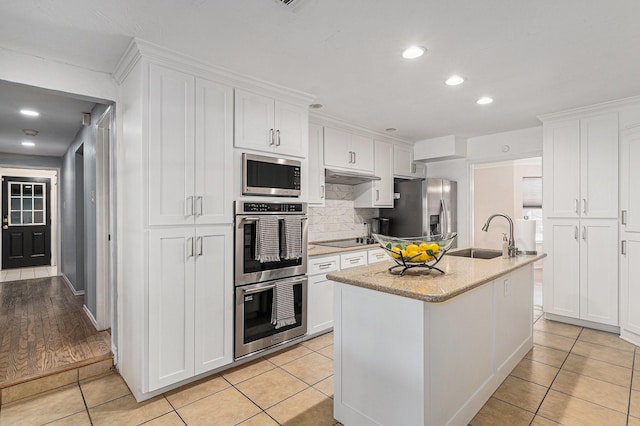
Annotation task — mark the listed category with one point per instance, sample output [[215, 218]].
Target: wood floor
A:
[[43, 329]]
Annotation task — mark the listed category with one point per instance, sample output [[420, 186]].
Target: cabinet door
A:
[[320, 304], [561, 273], [402, 160], [316, 166], [383, 196], [213, 153], [213, 297], [254, 121], [171, 306], [419, 170], [630, 287], [292, 127], [337, 148], [599, 166], [599, 271], [629, 178], [171, 147], [561, 169], [362, 148]]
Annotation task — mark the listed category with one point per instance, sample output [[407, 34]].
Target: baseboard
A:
[[73, 290], [90, 315], [114, 351], [582, 323]]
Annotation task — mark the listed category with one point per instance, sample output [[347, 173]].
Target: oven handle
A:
[[257, 219], [258, 290]]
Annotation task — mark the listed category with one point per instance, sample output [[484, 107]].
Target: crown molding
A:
[[590, 109], [326, 119]]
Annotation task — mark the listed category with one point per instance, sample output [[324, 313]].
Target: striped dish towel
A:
[[282, 310], [292, 238], [267, 239]]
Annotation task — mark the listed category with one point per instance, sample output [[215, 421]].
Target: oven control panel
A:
[[251, 207]]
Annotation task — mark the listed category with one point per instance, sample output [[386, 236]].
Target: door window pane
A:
[[38, 204], [27, 204], [27, 190], [15, 204], [25, 208], [16, 218], [27, 218], [38, 190], [38, 217], [16, 189]]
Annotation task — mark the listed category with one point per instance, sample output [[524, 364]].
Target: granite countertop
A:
[[316, 250], [461, 275]]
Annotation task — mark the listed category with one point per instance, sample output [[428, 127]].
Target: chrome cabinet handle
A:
[[322, 191], [188, 206], [278, 137], [200, 246], [356, 260], [584, 233], [190, 247], [199, 204], [576, 205], [623, 248], [324, 266], [354, 157], [351, 160], [624, 217], [377, 195], [413, 168], [271, 141], [575, 233], [584, 205]]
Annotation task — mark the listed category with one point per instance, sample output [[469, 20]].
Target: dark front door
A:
[[26, 222]]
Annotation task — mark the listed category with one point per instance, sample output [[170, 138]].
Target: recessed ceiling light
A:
[[390, 129], [316, 106], [29, 112], [454, 80], [413, 52], [27, 143], [485, 100]]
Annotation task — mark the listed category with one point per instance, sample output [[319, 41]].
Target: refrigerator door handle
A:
[[443, 223]]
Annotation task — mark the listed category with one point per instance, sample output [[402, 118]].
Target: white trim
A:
[[103, 213], [590, 109], [322, 119], [90, 315], [73, 290], [583, 323]]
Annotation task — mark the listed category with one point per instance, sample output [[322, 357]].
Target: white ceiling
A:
[[532, 57], [59, 121]]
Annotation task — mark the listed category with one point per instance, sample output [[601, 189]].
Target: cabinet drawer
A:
[[377, 255], [351, 260], [323, 265]]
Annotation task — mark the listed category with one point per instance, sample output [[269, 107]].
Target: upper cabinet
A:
[[348, 150], [378, 193], [270, 125], [316, 165], [580, 167], [190, 140], [404, 165]]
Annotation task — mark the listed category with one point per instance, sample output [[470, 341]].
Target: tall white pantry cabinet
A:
[[580, 204], [175, 200]]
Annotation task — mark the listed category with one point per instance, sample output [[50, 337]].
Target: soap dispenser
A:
[[505, 246]]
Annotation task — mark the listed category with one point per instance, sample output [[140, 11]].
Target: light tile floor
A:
[[28, 273], [572, 376]]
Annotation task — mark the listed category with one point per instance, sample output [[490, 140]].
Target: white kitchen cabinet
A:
[[404, 165], [630, 235], [348, 150], [580, 276], [377, 255], [320, 294], [270, 125], [353, 259], [315, 170], [581, 167], [190, 302], [190, 140], [378, 193]]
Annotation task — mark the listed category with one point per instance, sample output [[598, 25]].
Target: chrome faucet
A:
[[513, 251]]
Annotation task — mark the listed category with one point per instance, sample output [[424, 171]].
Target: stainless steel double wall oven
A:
[[255, 281]]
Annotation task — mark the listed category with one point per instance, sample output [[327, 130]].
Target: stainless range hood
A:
[[348, 177]]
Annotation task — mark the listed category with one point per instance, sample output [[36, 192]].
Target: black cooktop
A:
[[351, 242]]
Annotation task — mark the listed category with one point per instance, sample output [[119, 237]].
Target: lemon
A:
[[412, 255], [424, 247], [412, 247], [434, 247], [423, 257], [396, 252]]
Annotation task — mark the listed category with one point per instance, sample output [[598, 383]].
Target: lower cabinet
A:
[[190, 294], [581, 273], [320, 294], [630, 288]]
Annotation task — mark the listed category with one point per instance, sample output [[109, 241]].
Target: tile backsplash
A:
[[338, 219]]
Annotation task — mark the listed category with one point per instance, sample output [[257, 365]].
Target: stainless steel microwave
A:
[[262, 175]]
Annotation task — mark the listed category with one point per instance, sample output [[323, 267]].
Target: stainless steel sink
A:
[[476, 253]]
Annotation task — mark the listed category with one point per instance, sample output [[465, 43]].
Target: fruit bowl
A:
[[411, 252]]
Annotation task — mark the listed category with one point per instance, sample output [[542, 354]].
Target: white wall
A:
[[522, 143], [493, 192]]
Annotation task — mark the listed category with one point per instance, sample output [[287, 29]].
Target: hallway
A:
[[44, 330]]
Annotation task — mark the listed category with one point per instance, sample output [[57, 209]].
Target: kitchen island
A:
[[428, 348]]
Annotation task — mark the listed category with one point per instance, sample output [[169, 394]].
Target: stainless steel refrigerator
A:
[[424, 207]]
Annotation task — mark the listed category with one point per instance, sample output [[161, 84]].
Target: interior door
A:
[[26, 222]]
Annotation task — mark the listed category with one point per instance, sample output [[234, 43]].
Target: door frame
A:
[[54, 195], [104, 218]]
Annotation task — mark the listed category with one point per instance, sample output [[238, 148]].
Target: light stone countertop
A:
[[316, 250], [461, 275]]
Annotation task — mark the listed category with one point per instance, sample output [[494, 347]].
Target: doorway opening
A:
[[512, 187]]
